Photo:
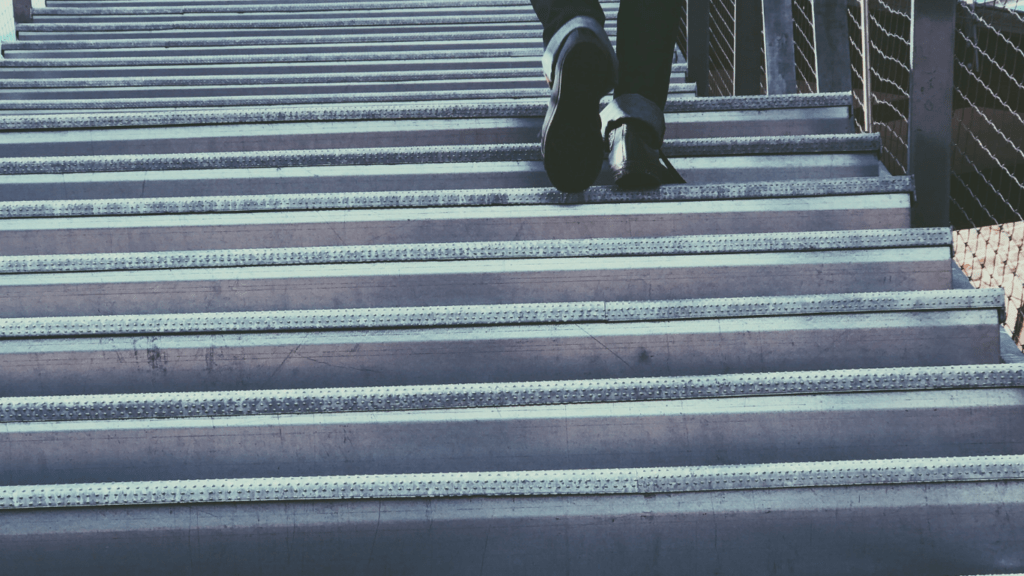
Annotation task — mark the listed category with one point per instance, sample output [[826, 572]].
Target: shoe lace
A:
[[669, 175]]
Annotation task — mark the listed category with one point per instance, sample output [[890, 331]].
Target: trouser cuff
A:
[[634, 107]]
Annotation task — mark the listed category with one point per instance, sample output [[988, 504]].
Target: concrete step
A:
[[455, 77], [319, 27], [155, 233], [700, 161], [460, 344], [364, 9], [477, 273], [276, 51], [454, 199], [366, 41], [26, 69], [623, 423], [301, 94], [404, 124], [124, 59], [370, 20], [901, 516], [330, 87]]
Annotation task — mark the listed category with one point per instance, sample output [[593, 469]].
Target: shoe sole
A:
[[572, 144]]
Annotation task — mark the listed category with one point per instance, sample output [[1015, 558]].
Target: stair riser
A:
[[642, 434], [914, 530], [396, 226], [468, 176], [480, 282], [378, 133], [461, 355]]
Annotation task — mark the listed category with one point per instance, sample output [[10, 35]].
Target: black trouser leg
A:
[[554, 13], [646, 36]]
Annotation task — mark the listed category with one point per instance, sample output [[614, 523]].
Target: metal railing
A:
[[985, 163]]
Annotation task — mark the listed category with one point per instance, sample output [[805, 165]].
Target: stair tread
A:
[[450, 198]]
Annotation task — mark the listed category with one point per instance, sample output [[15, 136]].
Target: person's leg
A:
[[553, 14], [580, 66], [646, 39], [634, 123]]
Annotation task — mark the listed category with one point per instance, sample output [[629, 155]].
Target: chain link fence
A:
[[987, 180], [986, 191], [988, 131]]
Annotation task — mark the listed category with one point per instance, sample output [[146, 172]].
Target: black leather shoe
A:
[[581, 68], [634, 129], [635, 161]]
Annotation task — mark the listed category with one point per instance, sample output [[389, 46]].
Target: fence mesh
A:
[[803, 43], [988, 132], [722, 49], [987, 181], [988, 139]]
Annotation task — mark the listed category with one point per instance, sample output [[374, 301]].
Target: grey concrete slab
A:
[[909, 528], [495, 354], [78, 235], [698, 432]]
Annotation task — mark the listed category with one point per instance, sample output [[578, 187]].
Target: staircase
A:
[[284, 289]]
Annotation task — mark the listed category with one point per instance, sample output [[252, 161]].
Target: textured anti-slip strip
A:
[[267, 78], [206, 8], [265, 100], [227, 40], [403, 111], [573, 248], [758, 145], [531, 483], [538, 94], [276, 38], [506, 394], [497, 314], [452, 198], [269, 58], [252, 24]]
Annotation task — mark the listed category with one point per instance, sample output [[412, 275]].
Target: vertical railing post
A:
[[7, 33], [698, 42], [865, 64], [779, 49], [22, 10], [832, 46], [932, 24], [746, 71]]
